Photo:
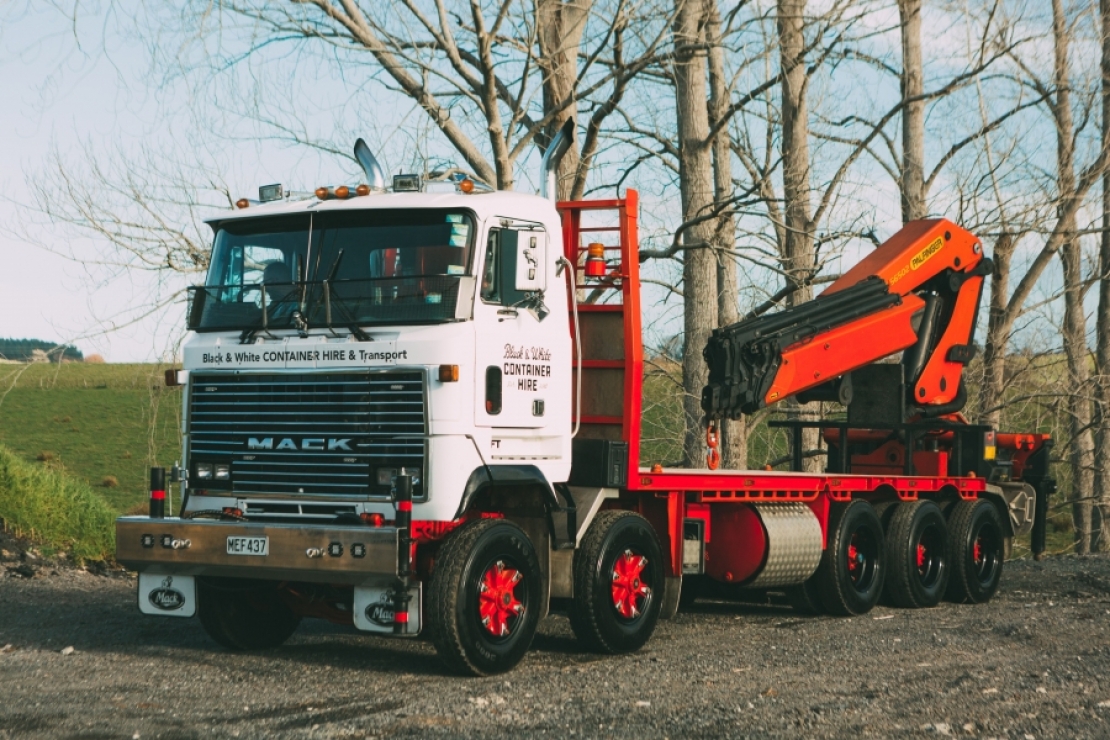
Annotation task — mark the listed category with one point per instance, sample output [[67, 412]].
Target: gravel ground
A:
[[77, 660]]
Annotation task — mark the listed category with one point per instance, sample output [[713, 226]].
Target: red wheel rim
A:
[[862, 557], [928, 556], [498, 606], [630, 592]]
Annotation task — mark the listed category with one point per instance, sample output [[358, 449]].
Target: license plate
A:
[[248, 545]]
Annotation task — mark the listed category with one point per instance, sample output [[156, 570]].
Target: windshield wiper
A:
[[353, 326]]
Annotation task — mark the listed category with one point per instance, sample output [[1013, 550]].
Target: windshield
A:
[[344, 269]]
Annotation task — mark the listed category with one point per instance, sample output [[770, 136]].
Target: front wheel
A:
[[485, 597], [977, 547], [917, 546], [618, 583], [850, 577], [243, 614]]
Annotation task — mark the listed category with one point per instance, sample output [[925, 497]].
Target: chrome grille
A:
[[314, 434]]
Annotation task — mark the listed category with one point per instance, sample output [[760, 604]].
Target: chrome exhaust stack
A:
[[375, 176], [551, 158]]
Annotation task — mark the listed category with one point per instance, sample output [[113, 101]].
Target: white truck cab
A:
[[337, 341]]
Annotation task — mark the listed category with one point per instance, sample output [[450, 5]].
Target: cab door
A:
[[515, 342]]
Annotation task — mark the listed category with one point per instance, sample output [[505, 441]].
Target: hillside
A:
[[98, 422]]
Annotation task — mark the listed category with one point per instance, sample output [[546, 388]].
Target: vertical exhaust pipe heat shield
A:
[[375, 176], [551, 158]]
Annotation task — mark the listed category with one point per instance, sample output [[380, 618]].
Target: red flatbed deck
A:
[[771, 485]]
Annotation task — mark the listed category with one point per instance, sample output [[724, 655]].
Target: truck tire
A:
[[243, 614], [977, 548], [850, 577], [917, 551], [484, 599], [618, 583], [805, 597]]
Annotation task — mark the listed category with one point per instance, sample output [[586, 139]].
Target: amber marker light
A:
[[342, 191], [321, 193], [242, 203], [363, 189], [595, 260], [467, 186], [448, 373]]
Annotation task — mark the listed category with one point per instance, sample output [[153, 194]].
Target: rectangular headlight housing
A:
[[407, 184], [204, 471], [270, 192]]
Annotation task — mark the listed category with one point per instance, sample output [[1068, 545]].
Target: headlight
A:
[[204, 471], [223, 472]]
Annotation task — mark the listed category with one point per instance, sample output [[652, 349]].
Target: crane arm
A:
[[918, 293]]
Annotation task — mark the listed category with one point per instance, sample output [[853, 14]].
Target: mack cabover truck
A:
[[416, 409]]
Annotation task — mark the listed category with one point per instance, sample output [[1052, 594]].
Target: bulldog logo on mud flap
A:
[[381, 613], [167, 598]]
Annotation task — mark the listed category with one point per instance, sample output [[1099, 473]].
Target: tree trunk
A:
[[699, 277], [1075, 325], [1102, 323], [798, 256], [994, 356], [913, 113], [734, 433], [559, 26]]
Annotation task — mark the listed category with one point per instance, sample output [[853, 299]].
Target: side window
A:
[[491, 288]]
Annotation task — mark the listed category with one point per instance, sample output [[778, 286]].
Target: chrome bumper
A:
[[327, 554]]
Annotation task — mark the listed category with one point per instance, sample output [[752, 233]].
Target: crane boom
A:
[[918, 293]]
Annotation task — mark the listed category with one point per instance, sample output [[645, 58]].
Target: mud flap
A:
[[166, 595], [672, 590], [373, 607]]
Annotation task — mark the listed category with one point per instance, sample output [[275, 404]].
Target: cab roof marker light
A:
[[242, 203]]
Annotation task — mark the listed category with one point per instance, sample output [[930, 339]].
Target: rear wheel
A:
[[849, 579], [243, 614], [805, 597], [917, 548], [977, 547], [618, 583], [484, 597]]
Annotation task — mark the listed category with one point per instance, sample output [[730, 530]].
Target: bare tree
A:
[[1075, 324], [474, 72], [913, 114], [1102, 323], [734, 433], [699, 275]]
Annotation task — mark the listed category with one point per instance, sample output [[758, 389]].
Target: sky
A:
[[65, 87], [56, 95]]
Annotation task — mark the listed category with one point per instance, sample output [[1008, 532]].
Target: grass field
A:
[[107, 424], [104, 424], [56, 509]]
